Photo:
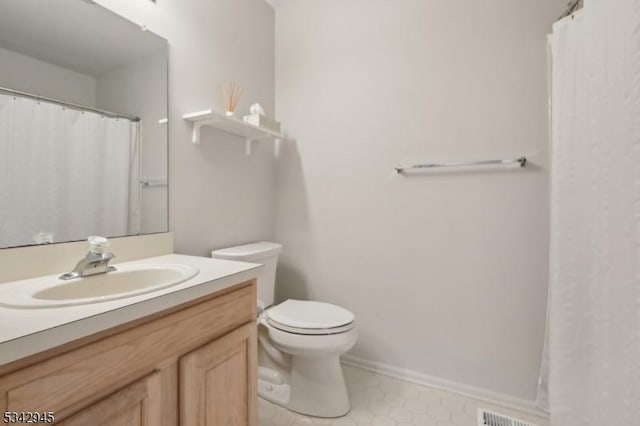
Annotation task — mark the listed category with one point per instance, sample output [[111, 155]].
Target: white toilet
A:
[[300, 342]]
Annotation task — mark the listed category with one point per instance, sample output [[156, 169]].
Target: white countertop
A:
[[25, 332]]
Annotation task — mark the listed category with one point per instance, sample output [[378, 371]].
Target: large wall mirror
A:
[[83, 129]]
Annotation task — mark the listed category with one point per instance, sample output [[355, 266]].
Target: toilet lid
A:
[[309, 315]]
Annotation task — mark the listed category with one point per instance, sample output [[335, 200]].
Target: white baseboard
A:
[[484, 395]]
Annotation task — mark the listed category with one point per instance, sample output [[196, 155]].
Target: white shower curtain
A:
[[594, 324], [65, 172]]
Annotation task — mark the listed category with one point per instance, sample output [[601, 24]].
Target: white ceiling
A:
[[75, 34]]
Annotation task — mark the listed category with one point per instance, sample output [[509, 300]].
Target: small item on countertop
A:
[[43, 237]]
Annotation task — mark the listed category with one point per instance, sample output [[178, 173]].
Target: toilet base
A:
[[278, 394], [310, 366], [317, 388]]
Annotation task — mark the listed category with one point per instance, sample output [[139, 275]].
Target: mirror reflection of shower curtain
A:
[[66, 172], [594, 291], [133, 219]]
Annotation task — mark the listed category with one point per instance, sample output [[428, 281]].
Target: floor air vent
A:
[[488, 418]]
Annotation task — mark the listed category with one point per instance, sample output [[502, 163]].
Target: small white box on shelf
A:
[[263, 122]]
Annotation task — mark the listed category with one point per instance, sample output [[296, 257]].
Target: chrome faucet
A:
[[95, 262]]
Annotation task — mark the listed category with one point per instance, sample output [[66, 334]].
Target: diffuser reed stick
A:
[[231, 94]]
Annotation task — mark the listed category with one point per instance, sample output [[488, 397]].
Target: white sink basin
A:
[[127, 281]]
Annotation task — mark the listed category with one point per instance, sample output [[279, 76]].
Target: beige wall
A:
[[217, 195], [447, 272]]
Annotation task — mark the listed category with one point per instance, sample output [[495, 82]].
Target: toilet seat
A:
[[309, 317], [309, 331]]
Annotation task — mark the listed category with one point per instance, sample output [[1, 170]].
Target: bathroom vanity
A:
[[184, 355]]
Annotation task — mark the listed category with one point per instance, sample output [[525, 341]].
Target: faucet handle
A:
[[97, 244]]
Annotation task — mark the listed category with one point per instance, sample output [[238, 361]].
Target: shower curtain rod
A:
[[69, 104], [571, 7]]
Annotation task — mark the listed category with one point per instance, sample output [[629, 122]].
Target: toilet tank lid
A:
[[248, 252]]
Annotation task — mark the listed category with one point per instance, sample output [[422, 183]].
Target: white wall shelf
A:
[[249, 132]]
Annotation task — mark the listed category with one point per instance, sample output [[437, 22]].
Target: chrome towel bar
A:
[[522, 161]]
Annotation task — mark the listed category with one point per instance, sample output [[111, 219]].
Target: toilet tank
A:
[[264, 253]]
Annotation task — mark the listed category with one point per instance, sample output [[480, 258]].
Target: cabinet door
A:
[[218, 381], [138, 404]]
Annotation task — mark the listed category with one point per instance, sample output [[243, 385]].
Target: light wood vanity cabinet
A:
[[216, 382], [137, 404], [193, 365]]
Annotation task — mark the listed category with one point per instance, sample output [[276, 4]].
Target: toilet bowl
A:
[[300, 343]]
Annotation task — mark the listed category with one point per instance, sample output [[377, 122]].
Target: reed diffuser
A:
[[230, 94]]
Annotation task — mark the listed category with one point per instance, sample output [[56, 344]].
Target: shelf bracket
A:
[[249, 141], [197, 129], [276, 147], [195, 133]]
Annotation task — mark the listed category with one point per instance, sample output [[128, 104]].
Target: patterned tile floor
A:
[[379, 400]]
